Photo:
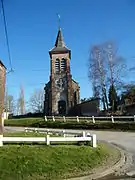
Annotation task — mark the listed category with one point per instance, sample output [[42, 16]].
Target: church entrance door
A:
[[62, 107]]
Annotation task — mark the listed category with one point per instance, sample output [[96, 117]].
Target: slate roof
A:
[[60, 46]]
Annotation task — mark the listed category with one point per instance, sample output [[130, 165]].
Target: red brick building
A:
[[2, 91], [61, 92]]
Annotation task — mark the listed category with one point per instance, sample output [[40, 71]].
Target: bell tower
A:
[[60, 76], [61, 92]]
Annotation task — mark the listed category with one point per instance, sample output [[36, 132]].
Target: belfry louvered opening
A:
[[57, 65], [63, 65]]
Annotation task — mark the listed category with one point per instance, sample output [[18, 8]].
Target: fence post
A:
[[112, 119], [53, 118], [36, 130], [47, 140], [94, 140], [1, 140], [88, 134], [77, 118], [84, 134], [64, 118], [93, 119], [45, 118], [134, 117], [47, 131], [64, 133]]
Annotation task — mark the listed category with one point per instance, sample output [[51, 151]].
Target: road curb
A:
[[116, 167]]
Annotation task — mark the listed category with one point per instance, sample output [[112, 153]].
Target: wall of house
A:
[[88, 108], [130, 109], [5, 115], [2, 92]]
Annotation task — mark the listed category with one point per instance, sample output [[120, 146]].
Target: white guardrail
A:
[[57, 132], [47, 140], [92, 118]]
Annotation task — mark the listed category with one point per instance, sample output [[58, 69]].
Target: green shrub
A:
[[99, 125]]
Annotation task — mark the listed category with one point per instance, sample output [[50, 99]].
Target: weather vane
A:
[[58, 15]]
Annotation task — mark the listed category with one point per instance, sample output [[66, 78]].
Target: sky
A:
[[32, 30]]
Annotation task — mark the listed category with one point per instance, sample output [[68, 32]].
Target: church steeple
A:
[[60, 46], [60, 40], [61, 92]]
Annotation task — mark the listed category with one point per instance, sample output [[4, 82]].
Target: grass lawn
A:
[[34, 162], [23, 122], [23, 134]]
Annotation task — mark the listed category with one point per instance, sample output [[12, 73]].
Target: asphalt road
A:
[[124, 139]]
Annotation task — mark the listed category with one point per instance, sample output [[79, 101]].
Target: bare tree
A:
[[9, 104], [21, 102], [97, 74], [116, 67], [116, 64], [106, 69], [36, 101]]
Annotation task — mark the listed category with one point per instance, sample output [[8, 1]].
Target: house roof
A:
[[1, 63], [88, 101]]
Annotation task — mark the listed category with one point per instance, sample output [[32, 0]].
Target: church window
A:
[[57, 65], [63, 65]]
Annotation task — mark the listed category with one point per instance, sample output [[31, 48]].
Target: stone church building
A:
[[62, 93]]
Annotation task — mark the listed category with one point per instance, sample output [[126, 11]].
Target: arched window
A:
[[63, 65], [57, 65]]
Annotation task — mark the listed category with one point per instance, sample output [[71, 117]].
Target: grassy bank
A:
[[99, 125], [23, 122], [23, 162], [23, 134]]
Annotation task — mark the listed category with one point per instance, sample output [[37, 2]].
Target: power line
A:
[[6, 35], [44, 69], [33, 70], [40, 83], [29, 84]]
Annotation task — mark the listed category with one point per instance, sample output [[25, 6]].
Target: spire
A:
[[60, 46], [59, 40], [58, 20]]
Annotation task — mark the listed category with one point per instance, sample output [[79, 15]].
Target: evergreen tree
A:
[[113, 98]]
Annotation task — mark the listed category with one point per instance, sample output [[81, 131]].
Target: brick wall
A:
[[2, 91]]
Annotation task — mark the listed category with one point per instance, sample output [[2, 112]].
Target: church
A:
[[62, 93]]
